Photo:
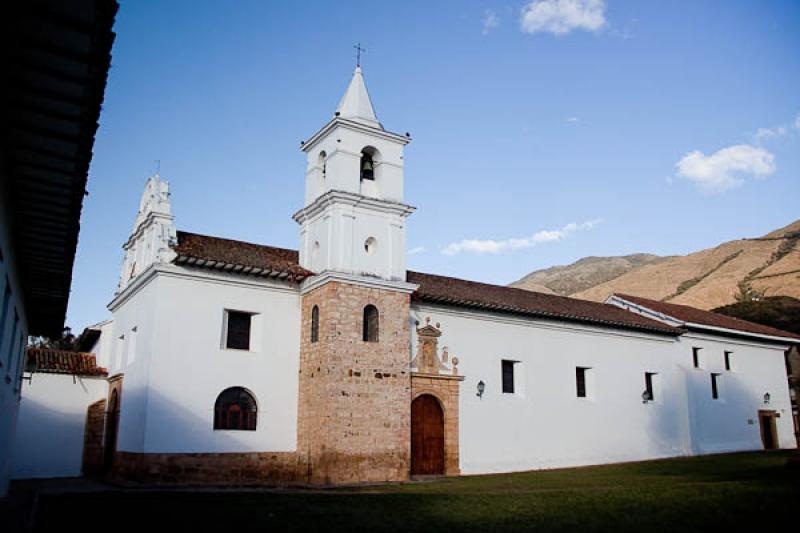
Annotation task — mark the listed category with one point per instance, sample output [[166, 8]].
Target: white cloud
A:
[[417, 250], [727, 167], [573, 119], [490, 21], [560, 17], [769, 134], [764, 134], [489, 246]]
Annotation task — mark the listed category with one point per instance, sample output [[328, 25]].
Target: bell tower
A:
[[153, 233], [355, 380], [353, 219]]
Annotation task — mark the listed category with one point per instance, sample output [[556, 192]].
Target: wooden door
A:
[[427, 436], [112, 425], [769, 432]]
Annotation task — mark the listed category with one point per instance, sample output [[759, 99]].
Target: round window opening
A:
[[370, 245]]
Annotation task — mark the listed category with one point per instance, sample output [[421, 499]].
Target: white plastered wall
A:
[[179, 367], [334, 240], [544, 424], [52, 422], [730, 422]]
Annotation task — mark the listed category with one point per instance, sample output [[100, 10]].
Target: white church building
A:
[[233, 362]]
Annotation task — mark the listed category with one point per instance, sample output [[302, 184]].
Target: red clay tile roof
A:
[[463, 293], [62, 362], [238, 256], [685, 313], [257, 259]]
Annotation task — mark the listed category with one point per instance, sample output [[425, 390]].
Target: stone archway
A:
[[427, 436]]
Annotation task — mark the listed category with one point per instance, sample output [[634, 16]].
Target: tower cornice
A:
[[335, 197], [369, 282], [353, 126]]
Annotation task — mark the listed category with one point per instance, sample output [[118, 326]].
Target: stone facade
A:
[[282, 468], [93, 438], [355, 396]]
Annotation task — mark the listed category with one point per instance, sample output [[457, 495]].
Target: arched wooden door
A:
[[427, 436], [112, 425]]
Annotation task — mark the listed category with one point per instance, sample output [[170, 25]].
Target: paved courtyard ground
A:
[[756, 491]]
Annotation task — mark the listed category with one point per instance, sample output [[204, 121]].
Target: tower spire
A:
[[355, 104]]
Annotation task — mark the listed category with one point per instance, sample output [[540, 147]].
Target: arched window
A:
[[367, 164], [315, 324], [370, 323], [235, 409]]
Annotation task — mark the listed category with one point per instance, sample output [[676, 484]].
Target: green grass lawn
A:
[[728, 492]]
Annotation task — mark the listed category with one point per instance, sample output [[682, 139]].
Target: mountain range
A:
[[743, 269]]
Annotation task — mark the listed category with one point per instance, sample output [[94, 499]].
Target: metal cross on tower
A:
[[358, 53]]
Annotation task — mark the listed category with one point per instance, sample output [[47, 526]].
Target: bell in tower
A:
[[367, 166]]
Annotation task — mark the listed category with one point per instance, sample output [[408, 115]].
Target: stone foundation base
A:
[[279, 468]]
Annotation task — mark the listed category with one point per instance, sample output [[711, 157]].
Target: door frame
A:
[[772, 427]]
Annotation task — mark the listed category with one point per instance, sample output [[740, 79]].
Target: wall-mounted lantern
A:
[[766, 398], [646, 396], [481, 388]]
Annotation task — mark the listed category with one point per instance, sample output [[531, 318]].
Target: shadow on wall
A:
[[182, 447], [49, 443], [170, 427], [706, 425]]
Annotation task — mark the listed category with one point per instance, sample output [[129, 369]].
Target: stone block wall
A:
[[355, 396], [279, 468]]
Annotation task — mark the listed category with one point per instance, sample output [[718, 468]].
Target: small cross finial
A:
[[358, 53], [158, 166]]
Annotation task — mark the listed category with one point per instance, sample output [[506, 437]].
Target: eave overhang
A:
[[57, 55]]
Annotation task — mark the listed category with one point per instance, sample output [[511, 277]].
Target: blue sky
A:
[[543, 131]]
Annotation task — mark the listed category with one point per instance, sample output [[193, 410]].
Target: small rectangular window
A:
[[696, 357], [715, 386], [238, 333], [649, 392], [580, 381], [728, 361], [508, 376]]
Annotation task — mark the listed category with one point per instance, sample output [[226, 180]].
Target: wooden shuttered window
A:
[[696, 357], [315, 324], [235, 408], [238, 334], [370, 333], [580, 382], [508, 376], [648, 386], [715, 386]]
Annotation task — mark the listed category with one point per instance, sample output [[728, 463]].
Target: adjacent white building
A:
[[57, 389]]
